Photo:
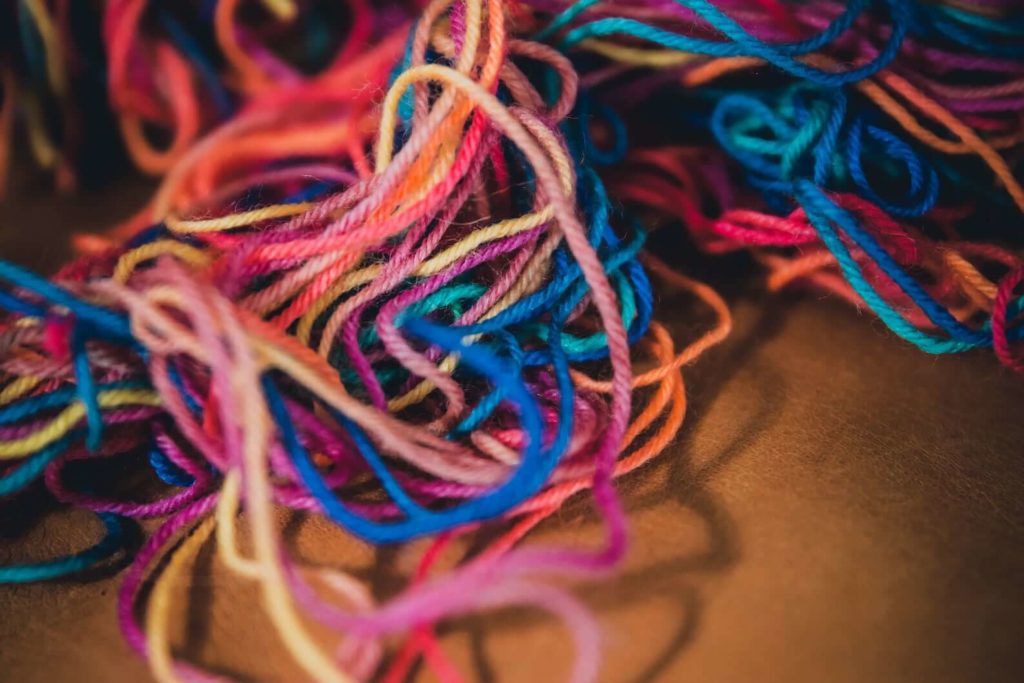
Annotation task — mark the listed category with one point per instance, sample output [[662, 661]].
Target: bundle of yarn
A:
[[395, 273]]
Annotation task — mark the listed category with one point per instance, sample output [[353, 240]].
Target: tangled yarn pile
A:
[[394, 273]]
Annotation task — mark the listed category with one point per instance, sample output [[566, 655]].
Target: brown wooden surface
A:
[[839, 507]]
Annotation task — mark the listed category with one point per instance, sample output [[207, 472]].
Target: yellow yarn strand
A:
[[236, 220], [71, 415]]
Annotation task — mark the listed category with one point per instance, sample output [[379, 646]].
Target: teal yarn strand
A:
[[112, 541]]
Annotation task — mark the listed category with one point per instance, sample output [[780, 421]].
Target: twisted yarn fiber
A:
[[842, 157], [426, 322], [398, 279], [77, 76]]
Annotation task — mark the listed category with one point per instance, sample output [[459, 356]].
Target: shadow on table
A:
[[672, 579]]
